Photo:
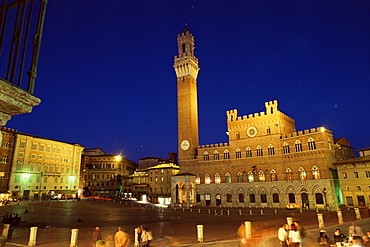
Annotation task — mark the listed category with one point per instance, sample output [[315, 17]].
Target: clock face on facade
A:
[[185, 144], [252, 131]]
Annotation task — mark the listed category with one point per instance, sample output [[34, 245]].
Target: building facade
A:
[[354, 177], [265, 163], [43, 168], [7, 139], [103, 173]]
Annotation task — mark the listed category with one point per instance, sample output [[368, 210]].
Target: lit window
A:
[[298, 146], [240, 177], [271, 150], [289, 174], [248, 152], [238, 153], [367, 174], [217, 178], [250, 177], [261, 176], [228, 178], [206, 156], [259, 151], [315, 173], [226, 155], [302, 174], [216, 156], [197, 179], [207, 179], [286, 148], [273, 175], [344, 174]]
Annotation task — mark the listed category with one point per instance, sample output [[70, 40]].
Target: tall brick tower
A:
[[186, 67]]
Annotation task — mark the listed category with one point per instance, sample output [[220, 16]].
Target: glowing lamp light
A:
[[25, 175], [72, 178], [118, 158], [322, 129]]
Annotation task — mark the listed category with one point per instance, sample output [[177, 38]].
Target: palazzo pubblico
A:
[[265, 163]]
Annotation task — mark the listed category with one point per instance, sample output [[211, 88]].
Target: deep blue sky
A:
[[105, 75]]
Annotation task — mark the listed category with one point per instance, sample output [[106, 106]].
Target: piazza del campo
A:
[[54, 193]]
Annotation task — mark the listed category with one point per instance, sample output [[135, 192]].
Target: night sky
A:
[[105, 75]]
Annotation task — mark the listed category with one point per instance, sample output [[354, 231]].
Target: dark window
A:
[[229, 198], [291, 198], [263, 198], [319, 198], [275, 198], [241, 197], [252, 198]]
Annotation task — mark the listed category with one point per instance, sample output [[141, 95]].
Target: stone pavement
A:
[[170, 228]]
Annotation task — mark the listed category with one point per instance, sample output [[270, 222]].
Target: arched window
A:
[[248, 152], [315, 173], [311, 144], [206, 156], [275, 198], [250, 177], [298, 146], [237, 135], [226, 155], [302, 174], [216, 155], [271, 150], [238, 153], [197, 179], [273, 175], [291, 197], [289, 174], [263, 198], [241, 197], [259, 151], [252, 198], [319, 198], [227, 178], [240, 177], [286, 148], [229, 198], [261, 176], [217, 178], [207, 179]]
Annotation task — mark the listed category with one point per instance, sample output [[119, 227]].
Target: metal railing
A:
[[21, 26]]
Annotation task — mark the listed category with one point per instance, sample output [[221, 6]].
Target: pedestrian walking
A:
[[96, 236], [283, 235], [121, 238], [355, 230], [242, 235], [302, 231], [146, 237], [294, 237]]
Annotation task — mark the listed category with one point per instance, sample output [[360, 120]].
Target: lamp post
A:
[[325, 201]]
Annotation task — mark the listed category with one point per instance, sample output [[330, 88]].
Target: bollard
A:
[[183, 209], [222, 212], [114, 201], [200, 233], [136, 240], [289, 221], [261, 211], [120, 202], [340, 216], [74, 236], [358, 214], [215, 212], [276, 212], [199, 210], [317, 210], [300, 210], [33, 234], [250, 212], [240, 212], [228, 212], [248, 229], [320, 218], [6, 231], [209, 211]]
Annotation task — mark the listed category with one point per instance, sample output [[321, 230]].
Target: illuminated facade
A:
[[103, 173], [7, 137], [42, 167], [265, 163], [354, 177]]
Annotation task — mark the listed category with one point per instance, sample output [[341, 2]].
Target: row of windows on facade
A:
[[259, 151], [5, 145], [45, 168], [99, 166], [97, 176], [47, 157], [100, 184], [49, 148], [45, 187], [261, 176], [356, 174], [358, 188], [319, 199], [36, 179], [360, 199]]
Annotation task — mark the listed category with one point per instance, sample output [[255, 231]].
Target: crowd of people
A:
[[293, 236], [122, 239]]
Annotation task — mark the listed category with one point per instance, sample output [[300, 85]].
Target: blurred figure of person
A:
[[366, 241], [323, 239], [96, 236], [355, 230], [242, 235], [121, 238], [368, 234], [294, 237], [283, 235], [302, 231], [146, 237], [339, 237], [356, 241], [139, 232]]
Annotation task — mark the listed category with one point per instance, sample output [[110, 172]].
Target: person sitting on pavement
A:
[[323, 239], [356, 241]]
